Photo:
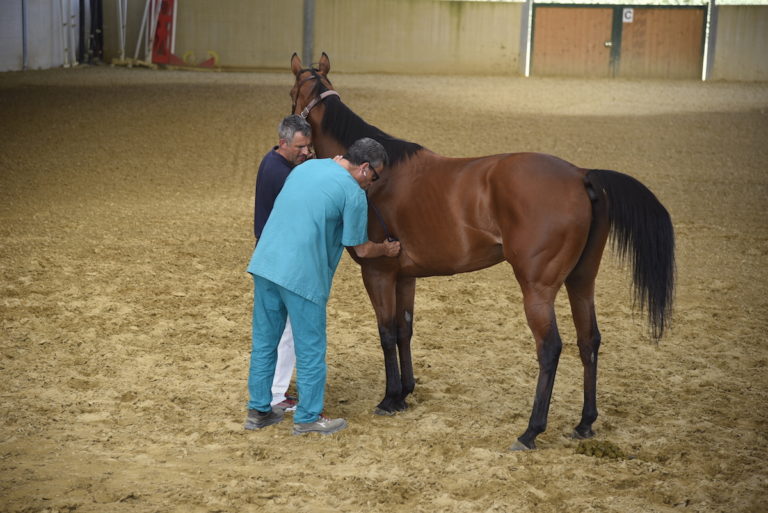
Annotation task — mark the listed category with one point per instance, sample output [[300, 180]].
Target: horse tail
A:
[[641, 231]]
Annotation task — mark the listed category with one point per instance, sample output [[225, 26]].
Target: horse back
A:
[[457, 214]]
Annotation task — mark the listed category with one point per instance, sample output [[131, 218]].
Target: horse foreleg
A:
[[540, 313], [382, 289], [406, 292]]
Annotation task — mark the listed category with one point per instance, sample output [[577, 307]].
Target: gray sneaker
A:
[[322, 425], [260, 419]]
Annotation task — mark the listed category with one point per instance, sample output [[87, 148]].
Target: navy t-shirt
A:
[[273, 171]]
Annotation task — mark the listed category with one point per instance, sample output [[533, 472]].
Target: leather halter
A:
[[315, 101]]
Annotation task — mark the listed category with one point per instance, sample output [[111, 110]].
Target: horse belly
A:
[[439, 261], [456, 240]]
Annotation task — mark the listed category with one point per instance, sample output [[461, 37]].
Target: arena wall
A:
[[742, 43], [420, 36], [405, 36], [409, 36]]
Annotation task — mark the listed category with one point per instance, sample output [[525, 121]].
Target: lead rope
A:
[[387, 234]]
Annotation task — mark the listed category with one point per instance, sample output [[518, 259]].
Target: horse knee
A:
[[549, 350], [589, 348], [388, 338]]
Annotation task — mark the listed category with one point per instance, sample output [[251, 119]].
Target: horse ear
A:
[[324, 66], [295, 64]]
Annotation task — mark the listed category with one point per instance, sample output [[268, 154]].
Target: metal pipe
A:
[[141, 30], [72, 33], [63, 35], [529, 37], [710, 41], [24, 35], [309, 32], [121, 29], [173, 29], [148, 38], [156, 6], [82, 55]]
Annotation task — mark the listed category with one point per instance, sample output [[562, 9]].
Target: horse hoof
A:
[[576, 435], [520, 446], [383, 412]]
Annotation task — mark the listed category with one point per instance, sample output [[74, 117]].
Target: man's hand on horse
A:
[[391, 248]]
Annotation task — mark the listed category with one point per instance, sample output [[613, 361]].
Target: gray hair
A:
[[292, 124], [367, 150]]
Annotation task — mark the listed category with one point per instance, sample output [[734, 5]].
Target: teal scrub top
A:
[[320, 210]]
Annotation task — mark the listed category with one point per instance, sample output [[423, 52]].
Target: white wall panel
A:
[[11, 41], [741, 45]]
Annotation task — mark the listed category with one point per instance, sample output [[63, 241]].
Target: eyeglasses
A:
[[375, 174]]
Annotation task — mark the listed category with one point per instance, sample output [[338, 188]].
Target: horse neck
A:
[[326, 146]]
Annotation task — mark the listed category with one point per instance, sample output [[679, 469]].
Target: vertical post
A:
[[121, 28], [73, 31], [710, 37], [173, 29], [82, 53], [143, 27], [155, 6], [617, 33], [309, 32], [527, 33], [24, 42], [64, 34]]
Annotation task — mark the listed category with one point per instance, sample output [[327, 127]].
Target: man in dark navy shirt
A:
[[294, 147]]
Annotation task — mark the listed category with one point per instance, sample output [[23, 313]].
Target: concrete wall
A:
[[741, 47], [261, 34], [420, 36], [399, 36]]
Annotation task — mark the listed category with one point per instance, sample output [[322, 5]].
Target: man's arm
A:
[[376, 249]]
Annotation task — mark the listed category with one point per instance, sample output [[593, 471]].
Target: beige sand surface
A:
[[125, 228]]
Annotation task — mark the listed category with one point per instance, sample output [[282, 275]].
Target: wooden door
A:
[[571, 41], [662, 43]]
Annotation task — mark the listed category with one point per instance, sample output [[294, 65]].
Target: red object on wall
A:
[[161, 47], [163, 42]]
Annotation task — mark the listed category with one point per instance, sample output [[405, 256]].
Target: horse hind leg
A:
[[580, 285], [540, 313], [581, 296]]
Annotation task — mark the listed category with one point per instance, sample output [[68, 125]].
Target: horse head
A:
[[334, 126], [309, 90], [311, 86]]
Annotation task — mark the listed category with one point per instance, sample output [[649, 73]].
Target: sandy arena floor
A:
[[125, 229]]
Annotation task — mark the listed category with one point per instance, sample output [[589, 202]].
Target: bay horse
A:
[[548, 218]]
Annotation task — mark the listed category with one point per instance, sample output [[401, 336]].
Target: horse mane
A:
[[347, 127]]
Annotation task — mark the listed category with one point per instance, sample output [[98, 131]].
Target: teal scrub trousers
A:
[[271, 306]]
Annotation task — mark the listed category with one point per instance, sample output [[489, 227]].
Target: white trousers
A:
[[286, 360]]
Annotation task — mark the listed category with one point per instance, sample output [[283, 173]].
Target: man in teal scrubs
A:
[[321, 209]]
